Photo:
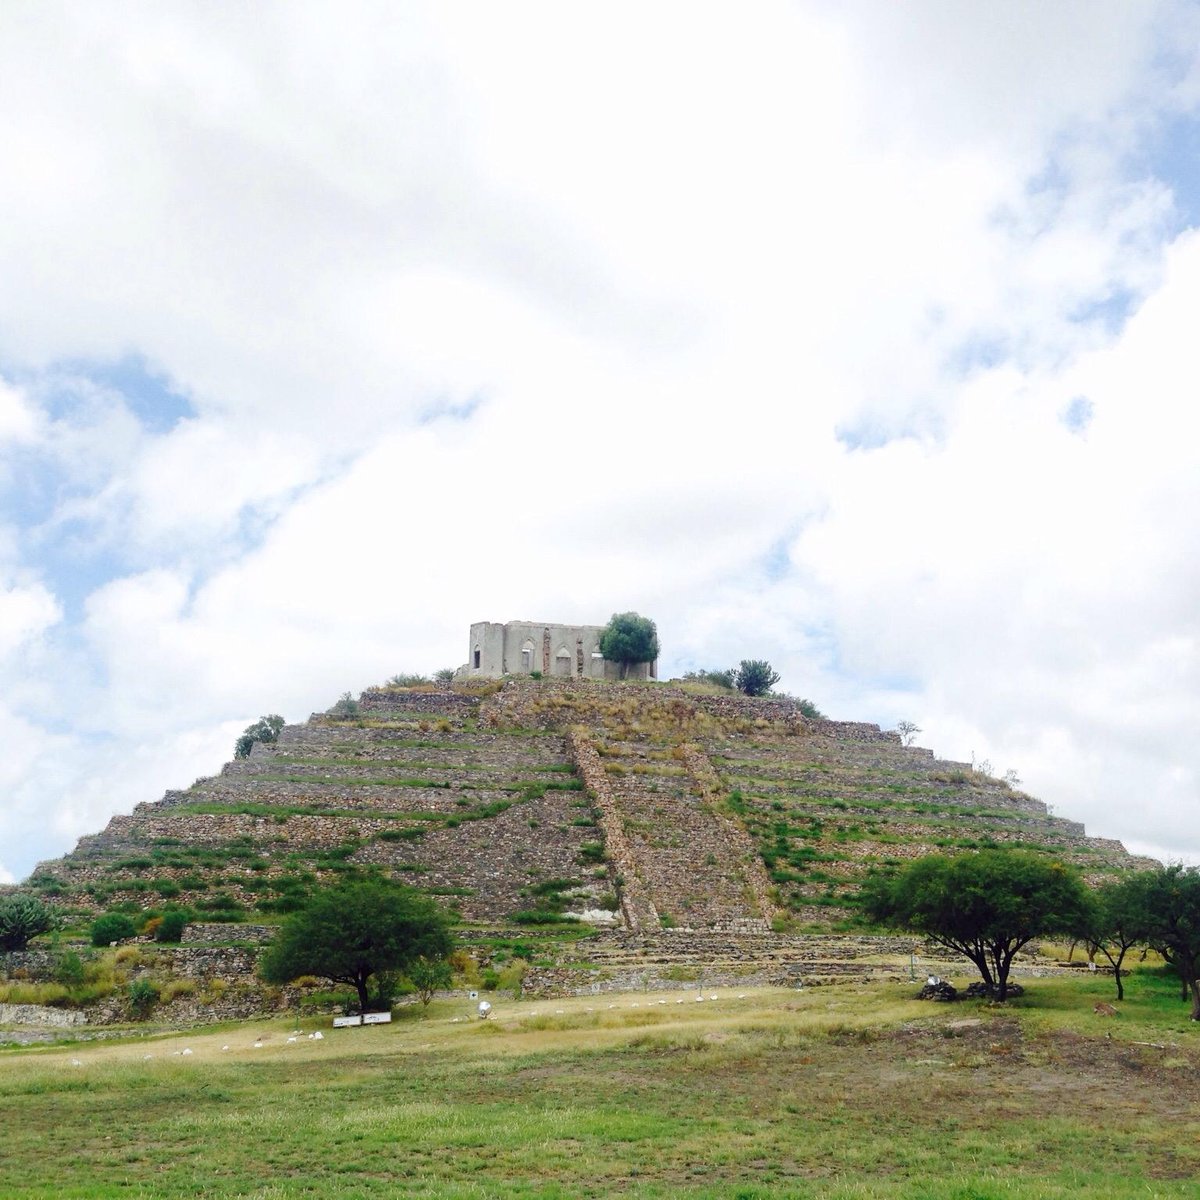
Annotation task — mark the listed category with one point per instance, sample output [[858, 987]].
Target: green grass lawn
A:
[[848, 1091]]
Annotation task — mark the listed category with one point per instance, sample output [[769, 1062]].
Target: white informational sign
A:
[[343, 1022], [377, 1018]]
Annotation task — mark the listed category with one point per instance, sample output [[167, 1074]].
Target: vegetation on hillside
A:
[[22, 918], [985, 906], [265, 730], [356, 931], [629, 639]]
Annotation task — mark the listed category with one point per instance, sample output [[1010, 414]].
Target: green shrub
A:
[[143, 996], [407, 679], [69, 970], [112, 927], [542, 916], [346, 706], [171, 927], [23, 918], [409, 834]]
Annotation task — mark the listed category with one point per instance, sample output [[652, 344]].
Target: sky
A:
[[859, 337]]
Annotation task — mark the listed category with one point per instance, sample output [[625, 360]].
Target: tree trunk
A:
[[1002, 981], [361, 985], [1117, 975], [982, 966], [1194, 985]]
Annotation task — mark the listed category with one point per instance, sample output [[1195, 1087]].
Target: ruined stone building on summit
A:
[[523, 647]]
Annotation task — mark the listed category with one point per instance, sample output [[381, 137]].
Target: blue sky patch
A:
[[1078, 414], [1172, 155], [148, 393], [449, 410]]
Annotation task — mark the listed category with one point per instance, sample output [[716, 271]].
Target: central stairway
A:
[[683, 863]]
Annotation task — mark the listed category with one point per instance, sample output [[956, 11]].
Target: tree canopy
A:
[[22, 918], [629, 638], [355, 930], [1172, 922], [985, 906], [1120, 919], [755, 676], [265, 729]]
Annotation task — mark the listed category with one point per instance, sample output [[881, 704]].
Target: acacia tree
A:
[[985, 906], [1172, 898], [1120, 920], [429, 976], [350, 932], [629, 639], [22, 918]]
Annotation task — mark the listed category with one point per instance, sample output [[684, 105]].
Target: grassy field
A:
[[840, 1092]]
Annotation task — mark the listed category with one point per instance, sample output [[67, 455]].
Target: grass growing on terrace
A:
[[835, 1092]]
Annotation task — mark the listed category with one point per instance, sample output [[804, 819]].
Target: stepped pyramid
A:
[[641, 806]]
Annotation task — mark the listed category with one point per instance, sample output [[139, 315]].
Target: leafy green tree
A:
[[1120, 920], [22, 918], [429, 976], [355, 930], [984, 906], [346, 706], [1172, 900], [755, 676], [112, 927], [629, 639], [265, 729], [809, 709]]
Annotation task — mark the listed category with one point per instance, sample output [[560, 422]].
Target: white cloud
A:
[[672, 278], [25, 613]]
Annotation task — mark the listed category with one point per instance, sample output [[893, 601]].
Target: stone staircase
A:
[[681, 861]]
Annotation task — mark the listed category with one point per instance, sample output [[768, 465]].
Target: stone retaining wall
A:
[[208, 932], [37, 1014]]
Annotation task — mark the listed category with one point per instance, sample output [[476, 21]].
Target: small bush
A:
[[345, 707], [171, 927], [69, 970], [409, 834], [22, 918], [143, 996], [513, 973], [542, 916], [177, 987], [112, 927]]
